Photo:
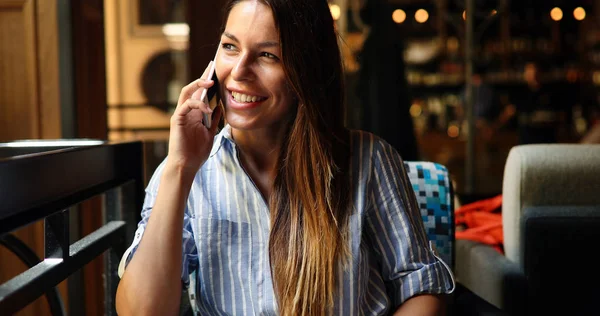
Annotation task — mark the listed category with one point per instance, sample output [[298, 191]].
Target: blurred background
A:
[[407, 65], [458, 82]]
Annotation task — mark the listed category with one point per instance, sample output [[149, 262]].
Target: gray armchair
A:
[[551, 226]]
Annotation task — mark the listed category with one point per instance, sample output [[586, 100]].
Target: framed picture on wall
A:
[[149, 16]]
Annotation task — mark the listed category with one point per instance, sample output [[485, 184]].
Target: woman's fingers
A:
[[186, 100], [191, 104], [198, 96], [196, 85]]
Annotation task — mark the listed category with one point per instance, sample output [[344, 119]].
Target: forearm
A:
[[423, 305], [151, 284]]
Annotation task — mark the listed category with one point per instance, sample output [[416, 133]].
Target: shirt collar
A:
[[223, 136]]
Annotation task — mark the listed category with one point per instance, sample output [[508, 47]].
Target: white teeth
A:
[[240, 97]]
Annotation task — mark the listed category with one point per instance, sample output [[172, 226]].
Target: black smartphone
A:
[[211, 95]]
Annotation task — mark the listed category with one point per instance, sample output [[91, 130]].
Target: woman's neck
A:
[[259, 152], [260, 148]]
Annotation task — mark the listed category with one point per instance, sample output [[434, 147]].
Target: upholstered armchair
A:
[[551, 228]]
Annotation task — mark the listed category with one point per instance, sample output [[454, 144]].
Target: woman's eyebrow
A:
[[230, 36], [262, 44]]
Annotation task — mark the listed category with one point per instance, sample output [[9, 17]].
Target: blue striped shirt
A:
[[226, 231]]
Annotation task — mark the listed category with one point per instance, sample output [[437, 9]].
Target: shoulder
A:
[[367, 145], [373, 157]]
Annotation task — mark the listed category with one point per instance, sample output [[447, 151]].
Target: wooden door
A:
[[32, 107], [29, 102]]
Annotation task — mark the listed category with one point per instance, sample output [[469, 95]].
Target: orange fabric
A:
[[482, 222]]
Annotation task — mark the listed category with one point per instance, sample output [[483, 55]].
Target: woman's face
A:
[[254, 88]]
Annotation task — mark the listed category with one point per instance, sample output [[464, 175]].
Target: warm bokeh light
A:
[[494, 12], [556, 14], [464, 15], [415, 110], [572, 75], [335, 11], [399, 16], [176, 29], [421, 15], [579, 13], [452, 43], [453, 131]]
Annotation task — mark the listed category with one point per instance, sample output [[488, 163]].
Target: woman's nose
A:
[[242, 68]]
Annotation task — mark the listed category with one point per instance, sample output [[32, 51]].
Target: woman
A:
[[284, 211]]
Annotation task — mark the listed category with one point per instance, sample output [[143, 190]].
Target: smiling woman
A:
[[255, 90], [284, 211]]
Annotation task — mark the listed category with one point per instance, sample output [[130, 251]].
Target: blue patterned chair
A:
[[433, 188], [431, 182]]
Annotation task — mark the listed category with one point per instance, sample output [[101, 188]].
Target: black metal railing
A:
[[47, 180]]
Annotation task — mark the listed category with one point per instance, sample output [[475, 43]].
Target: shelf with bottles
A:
[[436, 80], [436, 112], [496, 48], [591, 54], [569, 73], [441, 110]]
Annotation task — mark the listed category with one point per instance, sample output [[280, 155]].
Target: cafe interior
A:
[[502, 96]]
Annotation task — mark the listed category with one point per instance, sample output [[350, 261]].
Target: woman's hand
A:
[[190, 141]]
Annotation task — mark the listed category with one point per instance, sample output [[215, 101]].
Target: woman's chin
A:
[[240, 122]]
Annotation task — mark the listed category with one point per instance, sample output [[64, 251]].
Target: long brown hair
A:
[[310, 204]]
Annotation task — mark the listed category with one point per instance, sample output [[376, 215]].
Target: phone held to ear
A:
[[210, 96]]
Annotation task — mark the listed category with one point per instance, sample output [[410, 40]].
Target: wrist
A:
[[179, 172]]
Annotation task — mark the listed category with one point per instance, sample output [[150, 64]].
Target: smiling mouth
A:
[[245, 98]]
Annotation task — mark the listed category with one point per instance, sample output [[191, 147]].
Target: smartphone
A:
[[211, 96]]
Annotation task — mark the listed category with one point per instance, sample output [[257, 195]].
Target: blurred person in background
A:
[[382, 86], [585, 115], [538, 108], [485, 105], [592, 136]]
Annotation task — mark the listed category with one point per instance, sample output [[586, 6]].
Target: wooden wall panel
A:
[[142, 117], [48, 69], [29, 103], [19, 107], [19, 111]]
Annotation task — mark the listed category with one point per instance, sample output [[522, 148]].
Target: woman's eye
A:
[[227, 46], [270, 56]]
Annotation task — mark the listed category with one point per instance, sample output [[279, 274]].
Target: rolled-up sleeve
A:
[[408, 265], [189, 252]]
